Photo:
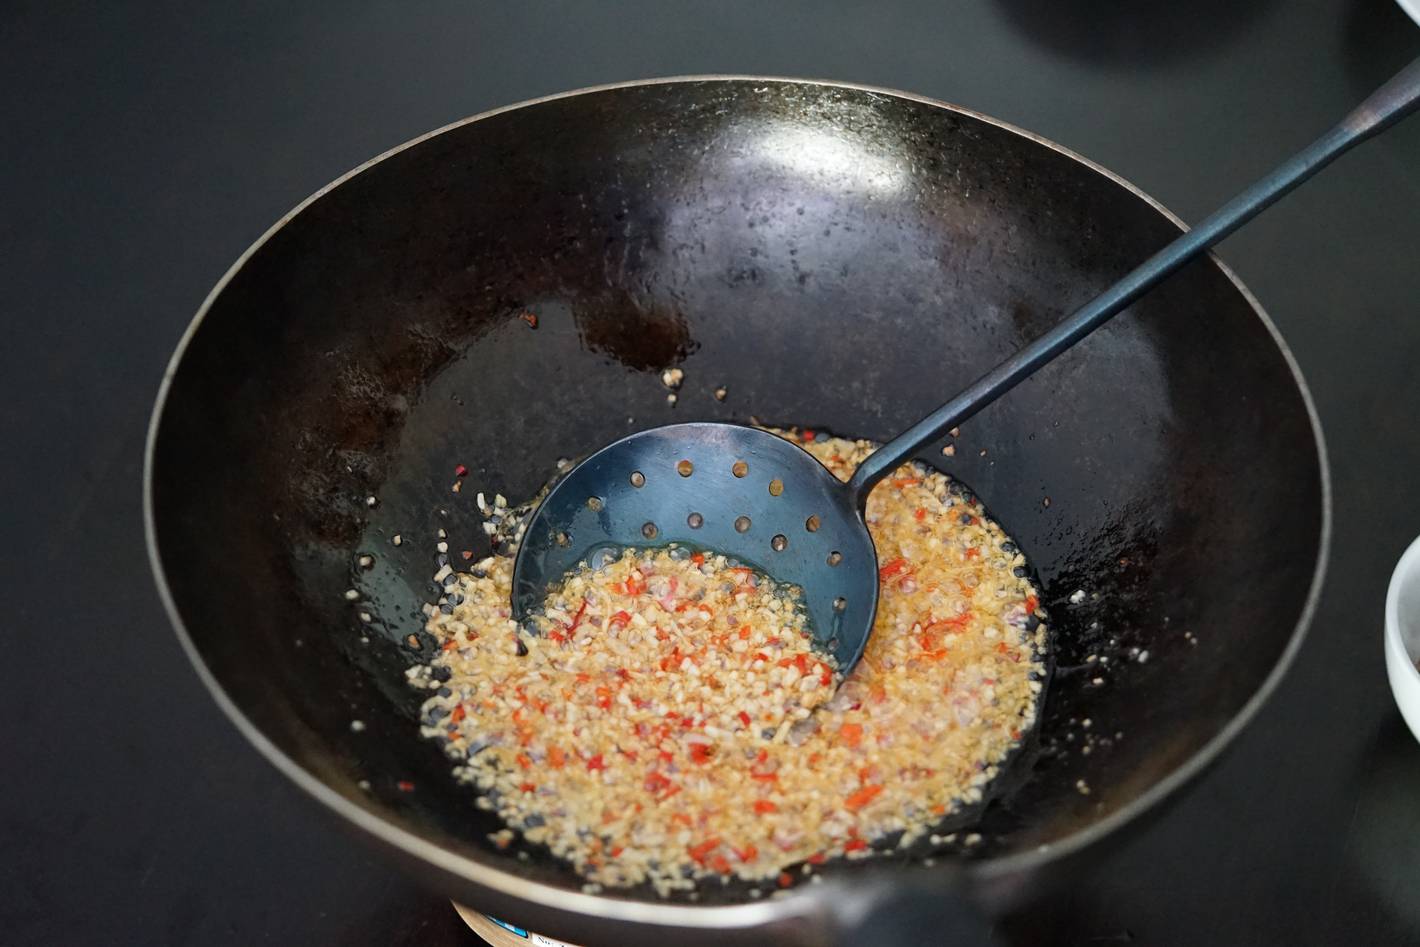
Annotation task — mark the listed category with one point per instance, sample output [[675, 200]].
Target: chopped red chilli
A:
[[672, 720]]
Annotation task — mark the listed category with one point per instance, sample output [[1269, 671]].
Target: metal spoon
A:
[[765, 501]]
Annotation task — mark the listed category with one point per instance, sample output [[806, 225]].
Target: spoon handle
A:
[[1383, 108]]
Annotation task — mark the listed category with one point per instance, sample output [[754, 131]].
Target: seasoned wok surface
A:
[[771, 235]]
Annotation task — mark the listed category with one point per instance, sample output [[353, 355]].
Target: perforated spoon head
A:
[[739, 491]]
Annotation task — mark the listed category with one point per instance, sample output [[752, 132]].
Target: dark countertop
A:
[[146, 145]]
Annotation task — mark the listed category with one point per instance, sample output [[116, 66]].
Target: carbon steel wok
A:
[[835, 256]]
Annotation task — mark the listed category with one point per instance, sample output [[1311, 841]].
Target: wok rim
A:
[[725, 917]]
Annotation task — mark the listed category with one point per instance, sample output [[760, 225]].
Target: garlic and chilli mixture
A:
[[671, 722]]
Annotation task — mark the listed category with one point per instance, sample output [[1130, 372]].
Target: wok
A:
[[835, 256]]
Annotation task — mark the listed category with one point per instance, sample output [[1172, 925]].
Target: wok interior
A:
[[834, 257]]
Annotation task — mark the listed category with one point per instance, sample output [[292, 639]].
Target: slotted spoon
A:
[[765, 501]]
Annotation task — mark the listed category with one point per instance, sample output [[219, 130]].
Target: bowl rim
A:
[[1406, 567], [804, 902]]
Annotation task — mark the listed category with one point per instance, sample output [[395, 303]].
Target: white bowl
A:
[[1402, 635]]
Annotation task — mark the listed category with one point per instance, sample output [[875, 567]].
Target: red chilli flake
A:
[[460, 471], [596, 762], [862, 797], [577, 619], [702, 851], [404, 785], [893, 567], [530, 318]]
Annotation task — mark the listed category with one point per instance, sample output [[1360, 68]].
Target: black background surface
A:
[[144, 145]]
